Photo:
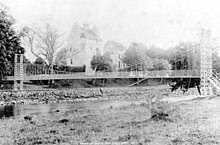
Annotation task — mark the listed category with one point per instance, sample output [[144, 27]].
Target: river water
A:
[[22, 110]]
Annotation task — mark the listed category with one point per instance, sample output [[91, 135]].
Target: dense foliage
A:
[[40, 61], [9, 44], [101, 63], [71, 69], [161, 64], [136, 58], [184, 56]]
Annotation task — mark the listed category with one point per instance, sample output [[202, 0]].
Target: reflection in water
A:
[[22, 110]]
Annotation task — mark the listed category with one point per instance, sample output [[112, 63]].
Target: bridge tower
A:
[[18, 72], [206, 63]]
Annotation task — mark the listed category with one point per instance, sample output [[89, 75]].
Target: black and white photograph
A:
[[109, 72]]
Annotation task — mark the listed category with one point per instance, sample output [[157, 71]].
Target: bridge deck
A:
[[99, 75]]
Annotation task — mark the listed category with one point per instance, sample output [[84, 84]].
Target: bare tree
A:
[[44, 42]]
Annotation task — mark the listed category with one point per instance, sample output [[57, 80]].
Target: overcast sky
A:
[[163, 23]]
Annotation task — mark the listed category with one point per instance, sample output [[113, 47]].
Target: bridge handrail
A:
[[136, 73], [45, 69], [131, 74]]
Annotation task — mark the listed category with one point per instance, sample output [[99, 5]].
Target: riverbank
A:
[[88, 94], [188, 122]]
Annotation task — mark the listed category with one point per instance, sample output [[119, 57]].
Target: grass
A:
[[189, 122]]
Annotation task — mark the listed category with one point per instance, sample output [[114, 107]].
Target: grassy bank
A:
[[189, 122]]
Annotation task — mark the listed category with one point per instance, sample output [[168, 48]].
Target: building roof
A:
[[89, 34]]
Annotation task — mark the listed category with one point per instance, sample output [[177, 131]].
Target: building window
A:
[[71, 61]]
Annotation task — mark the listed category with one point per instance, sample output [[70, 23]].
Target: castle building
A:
[[82, 44]]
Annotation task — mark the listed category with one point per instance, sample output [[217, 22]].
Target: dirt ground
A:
[[195, 121]]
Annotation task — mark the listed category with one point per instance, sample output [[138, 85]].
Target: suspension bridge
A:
[[40, 73], [209, 78]]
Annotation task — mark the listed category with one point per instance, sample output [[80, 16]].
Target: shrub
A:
[[161, 110], [70, 68]]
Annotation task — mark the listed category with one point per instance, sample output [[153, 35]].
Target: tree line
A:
[[183, 56]]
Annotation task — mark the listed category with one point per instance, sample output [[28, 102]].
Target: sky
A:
[[152, 22]]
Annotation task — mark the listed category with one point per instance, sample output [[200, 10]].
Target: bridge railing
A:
[[131, 74], [30, 70]]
